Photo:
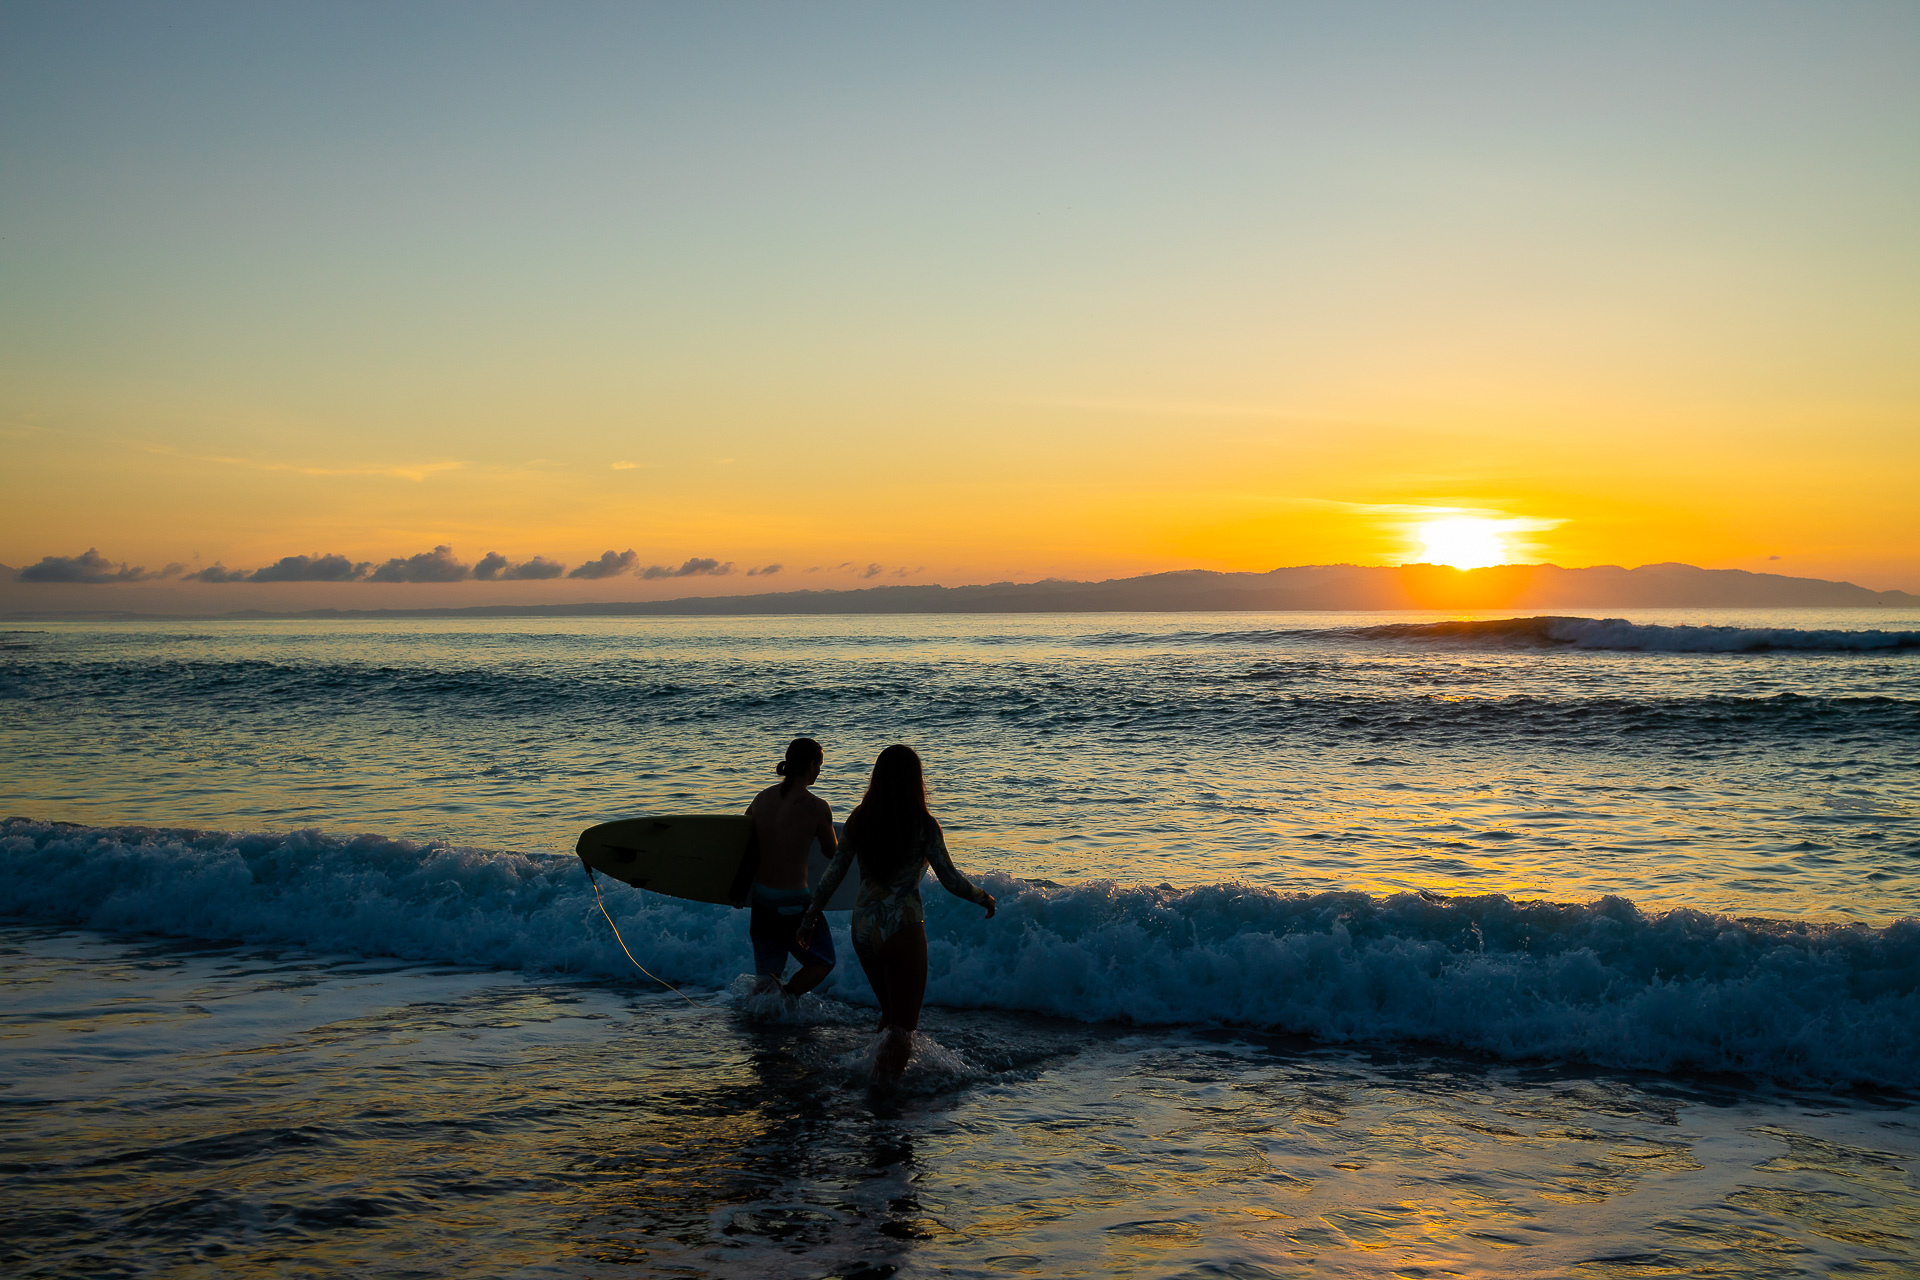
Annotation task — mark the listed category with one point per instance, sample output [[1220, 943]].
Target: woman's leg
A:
[[903, 960], [876, 971]]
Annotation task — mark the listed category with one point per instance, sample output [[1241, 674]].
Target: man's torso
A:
[[786, 826]]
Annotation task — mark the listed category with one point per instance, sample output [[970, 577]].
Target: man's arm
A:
[[829, 843]]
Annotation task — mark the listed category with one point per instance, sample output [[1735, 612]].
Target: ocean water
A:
[[1373, 945]]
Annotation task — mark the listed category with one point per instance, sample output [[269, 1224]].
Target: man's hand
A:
[[989, 904]]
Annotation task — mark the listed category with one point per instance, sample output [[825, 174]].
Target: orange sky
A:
[[965, 296]]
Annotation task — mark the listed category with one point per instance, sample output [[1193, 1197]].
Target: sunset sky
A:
[[951, 293]]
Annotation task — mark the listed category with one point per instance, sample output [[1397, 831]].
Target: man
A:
[[787, 819]]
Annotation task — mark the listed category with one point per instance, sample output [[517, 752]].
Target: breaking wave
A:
[[1600, 982], [1618, 633]]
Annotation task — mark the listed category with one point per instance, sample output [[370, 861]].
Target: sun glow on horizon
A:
[[1463, 542]]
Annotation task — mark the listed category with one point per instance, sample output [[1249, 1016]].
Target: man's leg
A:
[[807, 978], [769, 954], [816, 961]]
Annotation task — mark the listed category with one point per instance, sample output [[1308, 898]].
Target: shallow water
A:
[[1327, 945], [184, 1110]]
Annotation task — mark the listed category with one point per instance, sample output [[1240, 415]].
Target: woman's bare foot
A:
[[891, 1062]]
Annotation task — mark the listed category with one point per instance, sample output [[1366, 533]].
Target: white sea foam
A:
[[1600, 982], [809, 1010], [931, 1067]]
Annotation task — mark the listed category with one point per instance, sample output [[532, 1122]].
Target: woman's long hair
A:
[[883, 825], [802, 755]]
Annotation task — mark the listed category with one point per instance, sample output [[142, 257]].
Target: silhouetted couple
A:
[[895, 840]]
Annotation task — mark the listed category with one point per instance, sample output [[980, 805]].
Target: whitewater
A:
[[1599, 983], [1371, 942]]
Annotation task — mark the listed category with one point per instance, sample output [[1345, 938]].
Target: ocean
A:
[[1382, 945]]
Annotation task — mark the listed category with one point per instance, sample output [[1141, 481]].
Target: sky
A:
[[856, 293]]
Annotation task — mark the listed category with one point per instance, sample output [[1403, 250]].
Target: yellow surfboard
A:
[[700, 857]]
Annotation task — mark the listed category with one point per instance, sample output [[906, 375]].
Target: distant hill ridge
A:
[[1314, 588]]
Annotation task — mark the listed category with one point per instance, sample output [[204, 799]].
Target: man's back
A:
[[786, 826]]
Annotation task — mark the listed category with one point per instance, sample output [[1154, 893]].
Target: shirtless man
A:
[[787, 818]]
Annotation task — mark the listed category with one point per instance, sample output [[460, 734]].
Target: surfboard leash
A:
[[595, 882]]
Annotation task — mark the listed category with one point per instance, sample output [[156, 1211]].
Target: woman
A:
[[894, 837]]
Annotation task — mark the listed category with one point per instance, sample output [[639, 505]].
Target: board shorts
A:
[[775, 919]]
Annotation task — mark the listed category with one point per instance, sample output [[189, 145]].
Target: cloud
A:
[[535, 569], [625, 466], [88, 567], [437, 565], [314, 568], [694, 567], [217, 573], [765, 570], [1508, 523], [494, 566], [871, 571], [415, 471], [608, 565], [908, 573], [1170, 408]]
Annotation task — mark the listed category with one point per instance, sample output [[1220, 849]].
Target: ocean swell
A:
[[1600, 982], [1618, 633], [1292, 697]]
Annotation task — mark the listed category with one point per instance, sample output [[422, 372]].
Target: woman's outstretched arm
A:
[[836, 872], [950, 878]]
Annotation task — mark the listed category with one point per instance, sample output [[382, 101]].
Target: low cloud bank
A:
[[90, 567], [495, 567], [608, 565], [437, 565], [216, 573], [314, 568], [695, 567]]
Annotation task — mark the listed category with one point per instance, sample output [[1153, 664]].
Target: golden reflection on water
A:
[[314, 1118]]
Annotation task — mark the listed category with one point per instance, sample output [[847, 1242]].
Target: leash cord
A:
[[595, 880]]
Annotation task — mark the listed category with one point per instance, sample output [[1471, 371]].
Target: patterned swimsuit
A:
[[886, 906]]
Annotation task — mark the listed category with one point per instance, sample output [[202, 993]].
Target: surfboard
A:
[[699, 857]]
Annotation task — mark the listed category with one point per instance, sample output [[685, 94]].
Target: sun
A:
[[1464, 542]]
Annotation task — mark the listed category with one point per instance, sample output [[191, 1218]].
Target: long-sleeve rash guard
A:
[[887, 905]]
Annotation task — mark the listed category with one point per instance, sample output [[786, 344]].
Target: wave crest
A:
[[1600, 982], [1618, 633]]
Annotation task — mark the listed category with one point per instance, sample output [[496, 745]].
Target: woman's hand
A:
[[808, 923], [989, 904]]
